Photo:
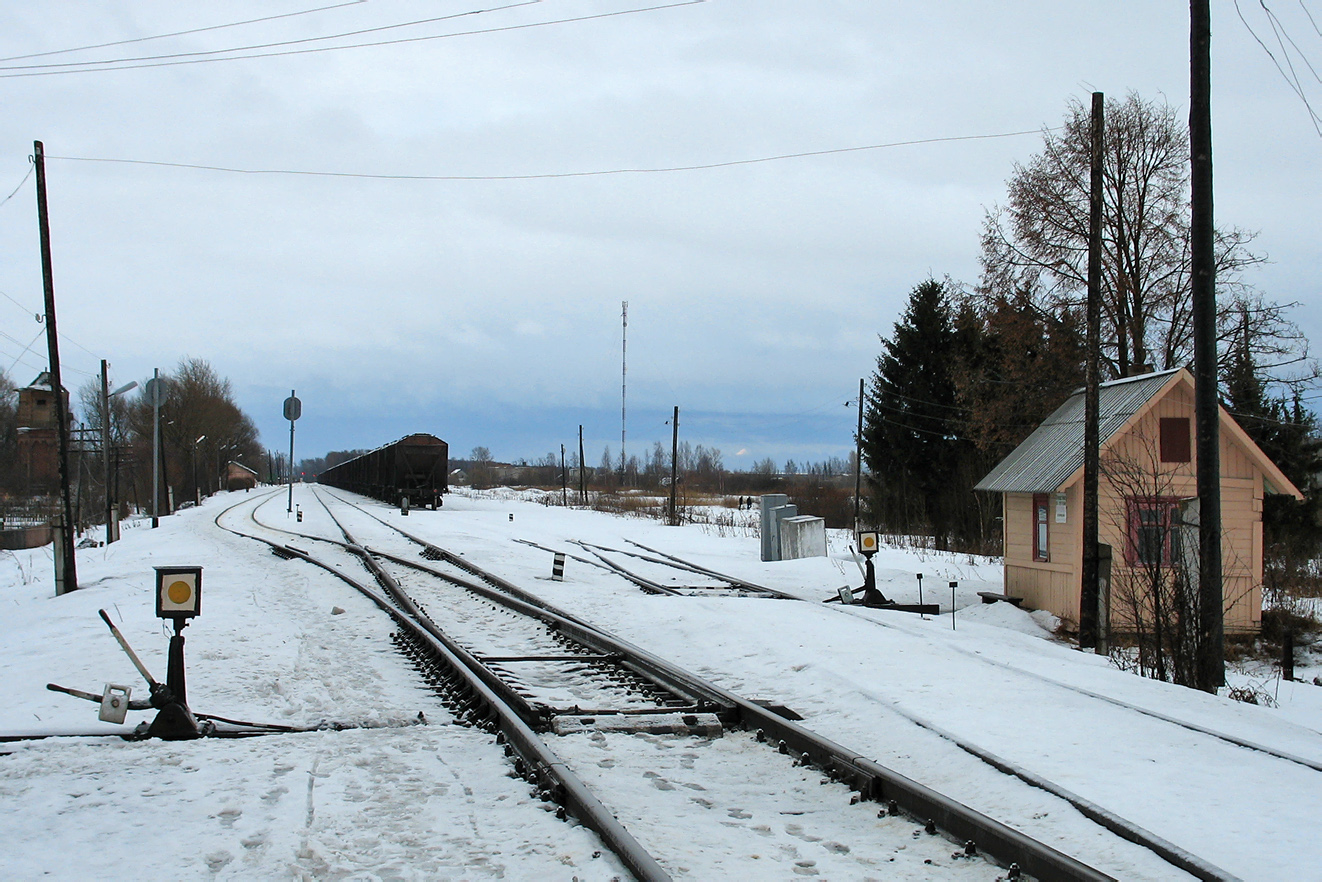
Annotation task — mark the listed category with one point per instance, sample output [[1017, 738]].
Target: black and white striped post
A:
[[558, 567]]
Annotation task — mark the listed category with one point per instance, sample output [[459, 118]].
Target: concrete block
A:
[[802, 536], [770, 536], [778, 516]]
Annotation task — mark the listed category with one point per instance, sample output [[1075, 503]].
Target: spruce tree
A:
[[911, 431], [1287, 432]]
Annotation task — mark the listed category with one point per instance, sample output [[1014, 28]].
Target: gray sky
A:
[[488, 311]]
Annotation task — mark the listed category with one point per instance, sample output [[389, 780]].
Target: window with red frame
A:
[[1154, 539], [1040, 534]]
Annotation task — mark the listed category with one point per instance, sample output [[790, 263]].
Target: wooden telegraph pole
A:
[[582, 471], [674, 466], [66, 572], [858, 457], [105, 449], [1090, 590], [1211, 625]]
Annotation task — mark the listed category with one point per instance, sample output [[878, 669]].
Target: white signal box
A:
[[178, 592], [868, 542]]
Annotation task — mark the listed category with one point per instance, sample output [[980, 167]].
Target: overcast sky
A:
[[487, 311]]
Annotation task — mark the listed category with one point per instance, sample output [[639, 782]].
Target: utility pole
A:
[[66, 567], [582, 470], [105, 448], [564, 479], [674, 466], [624, 381], [1090, 589], [154, 393], [1211, 624], [858, 456]]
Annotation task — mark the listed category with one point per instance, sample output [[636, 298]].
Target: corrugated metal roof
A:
[[1055, 449]]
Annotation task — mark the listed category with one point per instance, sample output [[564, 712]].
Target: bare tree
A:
[[1039, 241], [202, 428], [1154, 597], [480, 476], [9, 477]]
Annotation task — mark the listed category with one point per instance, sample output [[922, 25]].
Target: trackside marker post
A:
[[558, 567], [293, 410], [178, 597]]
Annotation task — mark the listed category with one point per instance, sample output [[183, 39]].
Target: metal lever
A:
[[92, 696], [133, 656]]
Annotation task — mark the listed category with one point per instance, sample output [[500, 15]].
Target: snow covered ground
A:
[[396, 800]]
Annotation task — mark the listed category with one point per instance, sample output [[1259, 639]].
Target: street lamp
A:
[[197, 490], [228, 447]]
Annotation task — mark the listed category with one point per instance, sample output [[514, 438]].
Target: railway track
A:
[[754, 589], [1121, 826], [511, 665]]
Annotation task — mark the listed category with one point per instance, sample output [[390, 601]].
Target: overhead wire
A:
[[548, 175], [1311, 20], [63, 336], [25, 351], [1292, 78], [14, 192], [113, 63], [21, 72], [190, 31]]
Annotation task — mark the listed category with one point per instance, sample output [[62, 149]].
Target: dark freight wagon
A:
[[415, 466]]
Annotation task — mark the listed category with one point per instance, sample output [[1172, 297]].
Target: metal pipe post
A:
[[291, 460]]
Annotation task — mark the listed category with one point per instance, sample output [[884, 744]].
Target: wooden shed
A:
[[1145, 481], [239, 477]]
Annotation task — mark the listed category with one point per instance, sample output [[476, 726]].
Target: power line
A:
[[219, 27], [63, 336], [25, 351], [395, 42], [112, 63], [548, 175], [1291, 78], [1311, 20], [20, 185]]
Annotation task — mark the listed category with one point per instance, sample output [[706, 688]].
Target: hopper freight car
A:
[[415, 466]]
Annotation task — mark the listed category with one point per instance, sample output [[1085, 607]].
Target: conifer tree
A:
[[1288, 434], [911, 434]]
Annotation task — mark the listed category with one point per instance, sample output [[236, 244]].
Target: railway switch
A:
[[869, 543], [179, 598]]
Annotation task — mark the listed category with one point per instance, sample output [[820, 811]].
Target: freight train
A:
[[415, 467]]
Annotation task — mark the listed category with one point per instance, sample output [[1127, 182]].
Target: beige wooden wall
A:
[[1054, 585]]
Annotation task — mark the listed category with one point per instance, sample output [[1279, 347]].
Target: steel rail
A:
[[870, 779], [557, 780], [1245, 743], [698, 568], [506, 594], [641, 581]]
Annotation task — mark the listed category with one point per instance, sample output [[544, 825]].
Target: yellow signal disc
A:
[[179, 591]]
